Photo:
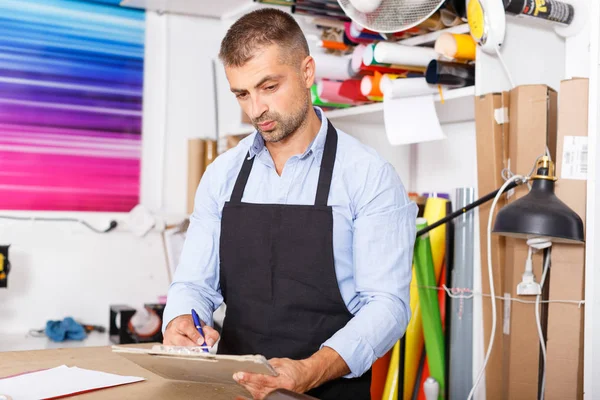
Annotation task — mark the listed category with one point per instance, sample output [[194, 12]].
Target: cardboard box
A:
[[564, 365], [532, 115], [491, 123]]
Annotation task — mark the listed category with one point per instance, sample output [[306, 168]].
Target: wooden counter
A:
[[103, 359]]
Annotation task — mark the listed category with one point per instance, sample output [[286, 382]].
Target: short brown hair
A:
[[261, 28]]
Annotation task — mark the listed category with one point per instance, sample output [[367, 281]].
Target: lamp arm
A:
[[466, 208]]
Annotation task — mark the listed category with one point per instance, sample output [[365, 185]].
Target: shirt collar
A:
[[316, 145]]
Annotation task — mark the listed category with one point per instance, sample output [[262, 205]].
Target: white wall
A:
[[63, 269], [444, 165]]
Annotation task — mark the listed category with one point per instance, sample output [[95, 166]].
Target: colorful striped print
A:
[[71, 79]]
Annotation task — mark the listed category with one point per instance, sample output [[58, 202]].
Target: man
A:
[[305, 233]]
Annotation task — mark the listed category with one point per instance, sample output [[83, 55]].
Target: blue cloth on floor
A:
[[67, 329]]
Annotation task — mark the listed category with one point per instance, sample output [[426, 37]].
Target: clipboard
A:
[[192, 364]]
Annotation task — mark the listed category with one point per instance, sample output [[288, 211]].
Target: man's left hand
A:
[[292, 375]]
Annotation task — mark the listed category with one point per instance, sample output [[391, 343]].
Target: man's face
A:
[[272, 93]]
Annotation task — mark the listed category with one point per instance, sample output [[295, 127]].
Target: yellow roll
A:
[[465, 46], [455, 45], [390, 392], [435, 209], [414, 340]]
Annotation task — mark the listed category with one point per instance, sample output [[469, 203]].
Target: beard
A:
[[285, 126]]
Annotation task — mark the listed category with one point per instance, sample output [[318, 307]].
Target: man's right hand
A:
[[182, 332]]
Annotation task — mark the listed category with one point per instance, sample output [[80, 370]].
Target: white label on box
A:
[[501, 115], [506, 324], [574, 158]]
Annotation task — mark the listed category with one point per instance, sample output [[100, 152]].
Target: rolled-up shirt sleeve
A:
[[384, 236], [196, 281]]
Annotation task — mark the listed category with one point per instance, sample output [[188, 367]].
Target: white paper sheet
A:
[[59, 381], [411, 120]]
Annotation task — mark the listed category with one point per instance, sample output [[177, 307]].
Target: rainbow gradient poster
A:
[[71, 79]]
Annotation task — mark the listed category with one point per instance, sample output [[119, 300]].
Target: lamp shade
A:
[[540, 213]]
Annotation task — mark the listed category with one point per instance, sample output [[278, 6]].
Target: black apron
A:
[[278, 278]]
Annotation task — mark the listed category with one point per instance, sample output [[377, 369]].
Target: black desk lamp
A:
[[540, 213]]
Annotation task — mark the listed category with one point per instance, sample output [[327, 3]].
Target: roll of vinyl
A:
[[383, 69], [392, 53], [449, 18], [370, 85], [414, 339], [330, 66], [360, 37], [387, 79], [357, 57], [370, 62], [368, 57], [435, 209], [446, 280], [358, 65], [329, 92], [379, 375], [450, 74], [410, 87], [350, 88], [454, 45], [459, 7], [332, 45], [433, 23], [356, 30], [318, 102], [390, 392], [430, 310], [420, 376], [461, 328], [196, 150]]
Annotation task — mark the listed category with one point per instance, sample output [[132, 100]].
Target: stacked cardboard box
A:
[[513, 369], [564, 376]]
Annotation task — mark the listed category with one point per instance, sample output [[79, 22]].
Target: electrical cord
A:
[[538, 319], [491, 278], [113, 224], [457, 293], [505, 67]]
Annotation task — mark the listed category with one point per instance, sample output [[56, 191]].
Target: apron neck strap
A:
[[327, 163], [240, 183], [325, 173]]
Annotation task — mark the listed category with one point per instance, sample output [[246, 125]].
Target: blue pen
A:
[[196, 319]]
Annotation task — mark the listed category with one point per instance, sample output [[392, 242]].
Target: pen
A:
[[198, 326]]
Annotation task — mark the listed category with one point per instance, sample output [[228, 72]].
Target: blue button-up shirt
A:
[[373, 237]]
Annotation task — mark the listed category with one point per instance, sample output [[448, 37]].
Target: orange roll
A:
[[332, 45], [370, 86]]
